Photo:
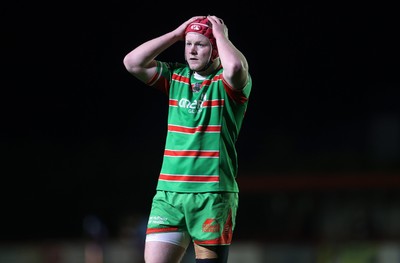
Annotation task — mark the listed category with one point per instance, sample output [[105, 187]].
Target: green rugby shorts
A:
[[209, 218]]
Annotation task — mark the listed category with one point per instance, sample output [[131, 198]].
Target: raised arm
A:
[[232, 60], [140, 62]]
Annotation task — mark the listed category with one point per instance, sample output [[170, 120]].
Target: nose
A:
[[192, 49]]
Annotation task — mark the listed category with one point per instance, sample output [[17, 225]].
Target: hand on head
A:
[[218, 26], [181, 29]]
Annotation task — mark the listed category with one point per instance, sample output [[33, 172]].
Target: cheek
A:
[[187, 51], [185, 54], [205, 52]]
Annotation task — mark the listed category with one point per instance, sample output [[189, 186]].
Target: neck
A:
[[210, 67]]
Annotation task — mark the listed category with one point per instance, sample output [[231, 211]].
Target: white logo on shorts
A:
[[158, 220]]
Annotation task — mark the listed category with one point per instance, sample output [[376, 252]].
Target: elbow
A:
[[236, 75], [130, 65], [127, 63], [236, 68]]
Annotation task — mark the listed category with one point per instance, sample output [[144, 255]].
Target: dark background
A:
[[80, 136]]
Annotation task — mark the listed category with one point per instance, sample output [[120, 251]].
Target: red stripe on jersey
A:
[[213, 103], [159, 82], [217, 78], [208, 82], [189, 178], [173, 102], [180, 78], [153, 79], [236, 95], [189, 153], [201, 128]]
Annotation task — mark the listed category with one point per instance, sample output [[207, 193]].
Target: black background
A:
[[81, 136]]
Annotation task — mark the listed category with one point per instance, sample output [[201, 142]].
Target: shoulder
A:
[[172, 65]]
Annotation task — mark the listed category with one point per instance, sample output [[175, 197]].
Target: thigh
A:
[[162, 252], [166, 239]]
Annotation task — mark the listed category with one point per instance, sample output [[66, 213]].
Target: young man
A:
[[197, 193]]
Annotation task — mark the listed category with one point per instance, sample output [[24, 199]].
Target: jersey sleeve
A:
[[162, 78], [239, 96]]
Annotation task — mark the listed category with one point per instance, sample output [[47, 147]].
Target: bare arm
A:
[[140, 62], [232, 60]]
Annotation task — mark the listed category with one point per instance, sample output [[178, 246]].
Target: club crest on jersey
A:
[[196, 87]]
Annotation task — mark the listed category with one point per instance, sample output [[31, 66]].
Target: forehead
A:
[[195, 37]]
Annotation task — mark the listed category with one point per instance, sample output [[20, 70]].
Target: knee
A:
[[211, 254]]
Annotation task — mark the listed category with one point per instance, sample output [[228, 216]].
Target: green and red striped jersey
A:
[[204, 120]]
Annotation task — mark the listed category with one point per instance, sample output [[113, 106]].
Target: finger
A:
[[216, 19]]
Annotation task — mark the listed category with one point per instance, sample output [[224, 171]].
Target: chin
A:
[[195, 66]]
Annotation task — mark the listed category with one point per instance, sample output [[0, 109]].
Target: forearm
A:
[[143, 56], [141, 63], [234, 63], [231, 57]]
